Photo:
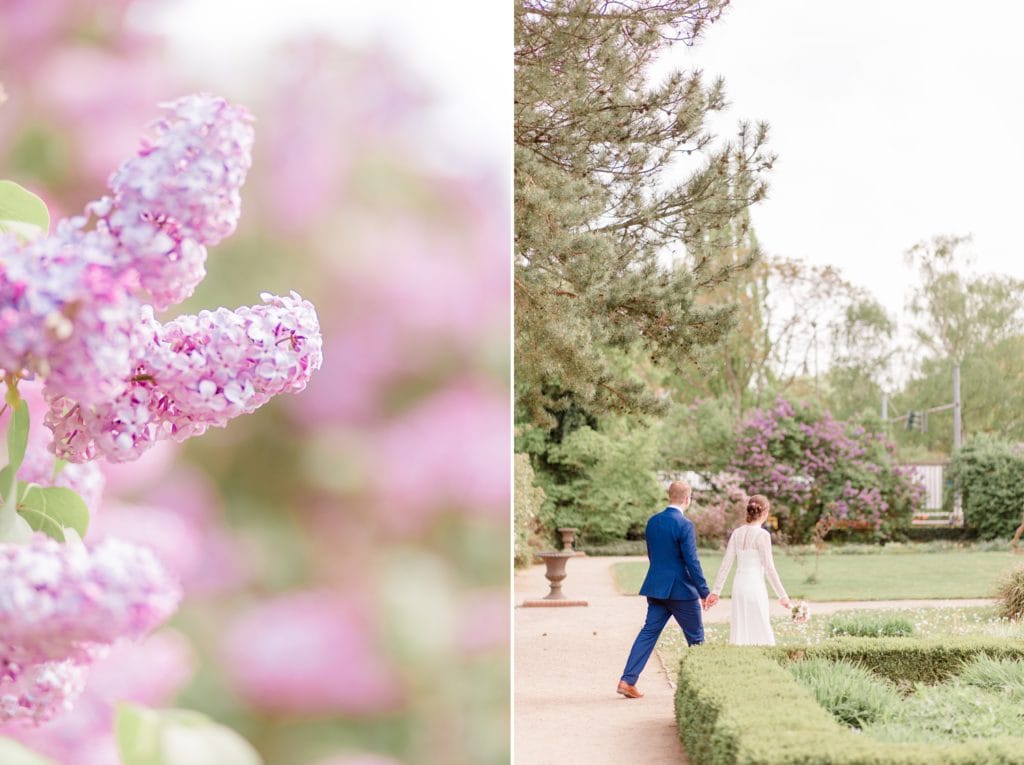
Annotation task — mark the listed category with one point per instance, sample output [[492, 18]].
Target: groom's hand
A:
[[710, 601]]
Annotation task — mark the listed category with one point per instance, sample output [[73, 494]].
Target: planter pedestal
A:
[[555, 573]]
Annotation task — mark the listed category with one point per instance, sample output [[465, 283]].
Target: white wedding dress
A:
[[751, 548]]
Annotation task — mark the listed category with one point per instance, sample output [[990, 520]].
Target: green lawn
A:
[[878, 576]]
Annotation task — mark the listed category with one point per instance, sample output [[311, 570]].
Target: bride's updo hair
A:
[[756, 506]]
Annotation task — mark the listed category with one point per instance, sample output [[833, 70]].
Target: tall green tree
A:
[[862, 351], [793, 322], [976, 321], [626, 204], [958, 311]]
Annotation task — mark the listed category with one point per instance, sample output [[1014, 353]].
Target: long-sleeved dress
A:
[[751, 547]]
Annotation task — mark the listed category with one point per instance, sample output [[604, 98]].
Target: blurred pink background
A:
[[345, 551]]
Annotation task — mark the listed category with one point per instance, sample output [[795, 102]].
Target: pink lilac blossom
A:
[[149, 672], [69, 308], [178, 194], [36, 691], [58, 601], [195, 372], [814, 466], [65, 314], [309, 653]]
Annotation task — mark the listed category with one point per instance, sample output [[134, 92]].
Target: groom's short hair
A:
[[679, 491]]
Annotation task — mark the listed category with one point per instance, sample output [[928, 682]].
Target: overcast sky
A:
[[894, 121], [461, 50]]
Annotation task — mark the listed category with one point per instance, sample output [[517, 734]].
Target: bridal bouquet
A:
[[799, 613]]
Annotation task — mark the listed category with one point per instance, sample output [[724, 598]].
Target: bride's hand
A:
[[784, 602], [710, 600]]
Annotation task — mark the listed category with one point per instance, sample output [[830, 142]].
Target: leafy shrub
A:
[[990, 476], [699, 436], [944, 713], [1010, 594], [996, 675], [722, 692], [913, 661], [618, 547], [853, 695], [527, 501], [606, 482], [870, 625], [937, 533]]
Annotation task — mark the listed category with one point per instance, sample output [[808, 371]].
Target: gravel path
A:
[[567, 664], [568, 661]]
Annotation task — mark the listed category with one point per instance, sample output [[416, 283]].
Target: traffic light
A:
[[912, 420]]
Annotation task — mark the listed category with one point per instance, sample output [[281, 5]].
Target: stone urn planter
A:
[[554, 564], [568, 538]]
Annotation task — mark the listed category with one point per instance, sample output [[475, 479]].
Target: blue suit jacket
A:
[[674, 572]]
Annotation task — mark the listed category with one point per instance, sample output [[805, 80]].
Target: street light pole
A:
[[956, 407], [958, 509]]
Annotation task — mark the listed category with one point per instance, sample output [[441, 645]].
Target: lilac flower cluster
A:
[[36, 691], [77, 311], [192, 373], [180, 193], [76, 308], [815, 466], [60, 605]]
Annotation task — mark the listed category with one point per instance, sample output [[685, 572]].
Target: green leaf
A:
[[13, 753], [178, 737], [21, 211], [138, 735], [17, 442], [17, 435], [52, 508]]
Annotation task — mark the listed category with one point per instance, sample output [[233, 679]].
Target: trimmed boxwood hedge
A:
[[738, 705]]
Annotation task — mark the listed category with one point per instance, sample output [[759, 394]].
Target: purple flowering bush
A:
[[815, 467]]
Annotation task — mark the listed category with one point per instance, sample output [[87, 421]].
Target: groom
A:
[[674, 585]]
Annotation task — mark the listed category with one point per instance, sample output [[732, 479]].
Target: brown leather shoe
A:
[[629, 691]]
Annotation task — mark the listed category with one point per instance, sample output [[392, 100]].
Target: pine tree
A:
[[622, 195]]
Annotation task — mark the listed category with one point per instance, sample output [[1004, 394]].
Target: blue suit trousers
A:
[[686, 613]]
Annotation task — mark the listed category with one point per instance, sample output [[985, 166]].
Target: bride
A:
[[751, 546]]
